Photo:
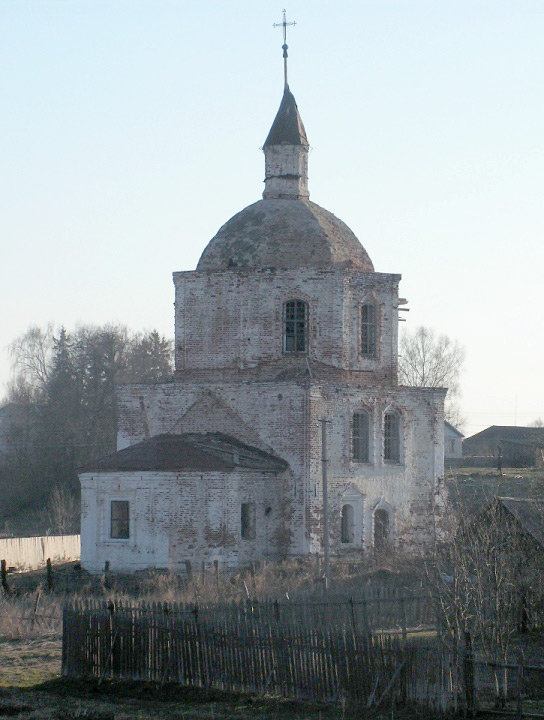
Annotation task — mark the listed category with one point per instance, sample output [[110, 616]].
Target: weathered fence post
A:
[[216, 572], [194, 612], [36, 603], [106, 577], [519, 689], [5, 586], [366, 621], [351, 604], [49, 570], [112, 638], [403, 618], [468, 677]]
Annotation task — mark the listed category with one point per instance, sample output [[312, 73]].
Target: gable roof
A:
[[453, 428], [528, 513], [205, 452], [529, 435]]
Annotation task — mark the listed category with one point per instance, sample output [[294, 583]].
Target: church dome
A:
[[284, 233], [285, 229]]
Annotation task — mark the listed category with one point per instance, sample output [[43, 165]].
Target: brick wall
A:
[[176, 518], [233, 320], [284, 418]]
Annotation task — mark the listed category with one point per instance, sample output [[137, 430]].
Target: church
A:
[[284, 335]]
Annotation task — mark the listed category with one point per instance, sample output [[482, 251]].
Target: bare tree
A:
[[430, 360], [482, 580], [62, 512], [30, 359], [65, 384]]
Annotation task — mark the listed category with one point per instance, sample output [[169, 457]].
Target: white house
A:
[[453, 442], [283, 324]]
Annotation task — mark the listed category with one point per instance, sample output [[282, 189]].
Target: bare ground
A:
[[31, 689]]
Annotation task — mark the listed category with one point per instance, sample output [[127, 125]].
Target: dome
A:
[[284, 233]]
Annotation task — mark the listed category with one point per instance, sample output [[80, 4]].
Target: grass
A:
[[63, 700], [24, 663], [30, 644], [473, 488]]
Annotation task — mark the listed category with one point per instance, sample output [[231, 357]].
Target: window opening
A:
[[347, 534], [295, 321], [391, 438], [247, 521], [360, 437], [381, 529], [120, 519], [368, 329]]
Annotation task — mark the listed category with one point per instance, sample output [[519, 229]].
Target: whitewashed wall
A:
[[179, 517], [31, 553]]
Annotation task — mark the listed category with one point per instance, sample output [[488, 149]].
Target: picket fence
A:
[[254, 650]]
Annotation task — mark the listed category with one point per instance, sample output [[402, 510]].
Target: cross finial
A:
[[284, 25]]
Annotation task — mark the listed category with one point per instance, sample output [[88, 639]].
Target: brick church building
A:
[[283, 324]]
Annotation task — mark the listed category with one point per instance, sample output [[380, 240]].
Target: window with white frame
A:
[[120, 520], [350, 517], [295, 326], [391, 437], [360, 436], [347, 534]]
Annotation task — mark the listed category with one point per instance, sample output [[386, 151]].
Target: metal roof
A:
[[528, 513], [205, 452], [511, 433], [287, 128]]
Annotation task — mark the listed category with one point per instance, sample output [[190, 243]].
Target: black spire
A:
[[287, 128]]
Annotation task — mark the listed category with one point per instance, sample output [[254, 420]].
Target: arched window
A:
[[391, 437], [368, 330], [381, 529], [360, 433], [295, 326], [347, 535]]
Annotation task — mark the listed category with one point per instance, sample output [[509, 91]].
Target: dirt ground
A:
[[31, 689]]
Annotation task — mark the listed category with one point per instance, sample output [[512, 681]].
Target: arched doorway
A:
[[381, 530], [347, 534]]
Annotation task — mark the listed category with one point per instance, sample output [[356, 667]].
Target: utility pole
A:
[[324, 461]]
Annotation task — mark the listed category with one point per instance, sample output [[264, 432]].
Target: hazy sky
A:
[[131, 130]]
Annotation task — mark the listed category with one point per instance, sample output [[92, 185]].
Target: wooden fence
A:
[[379, 609], [29, 553], [254, 651]]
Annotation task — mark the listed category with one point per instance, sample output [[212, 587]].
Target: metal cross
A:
[[284, 25]]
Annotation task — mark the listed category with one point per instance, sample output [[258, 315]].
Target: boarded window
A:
[[391, 437], [120, 528], [381, 529], [295, 326], [247, 521], [368, 330], [360, 434], [347, 534]]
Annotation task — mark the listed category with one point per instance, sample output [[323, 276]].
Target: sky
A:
[[131, 131]]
